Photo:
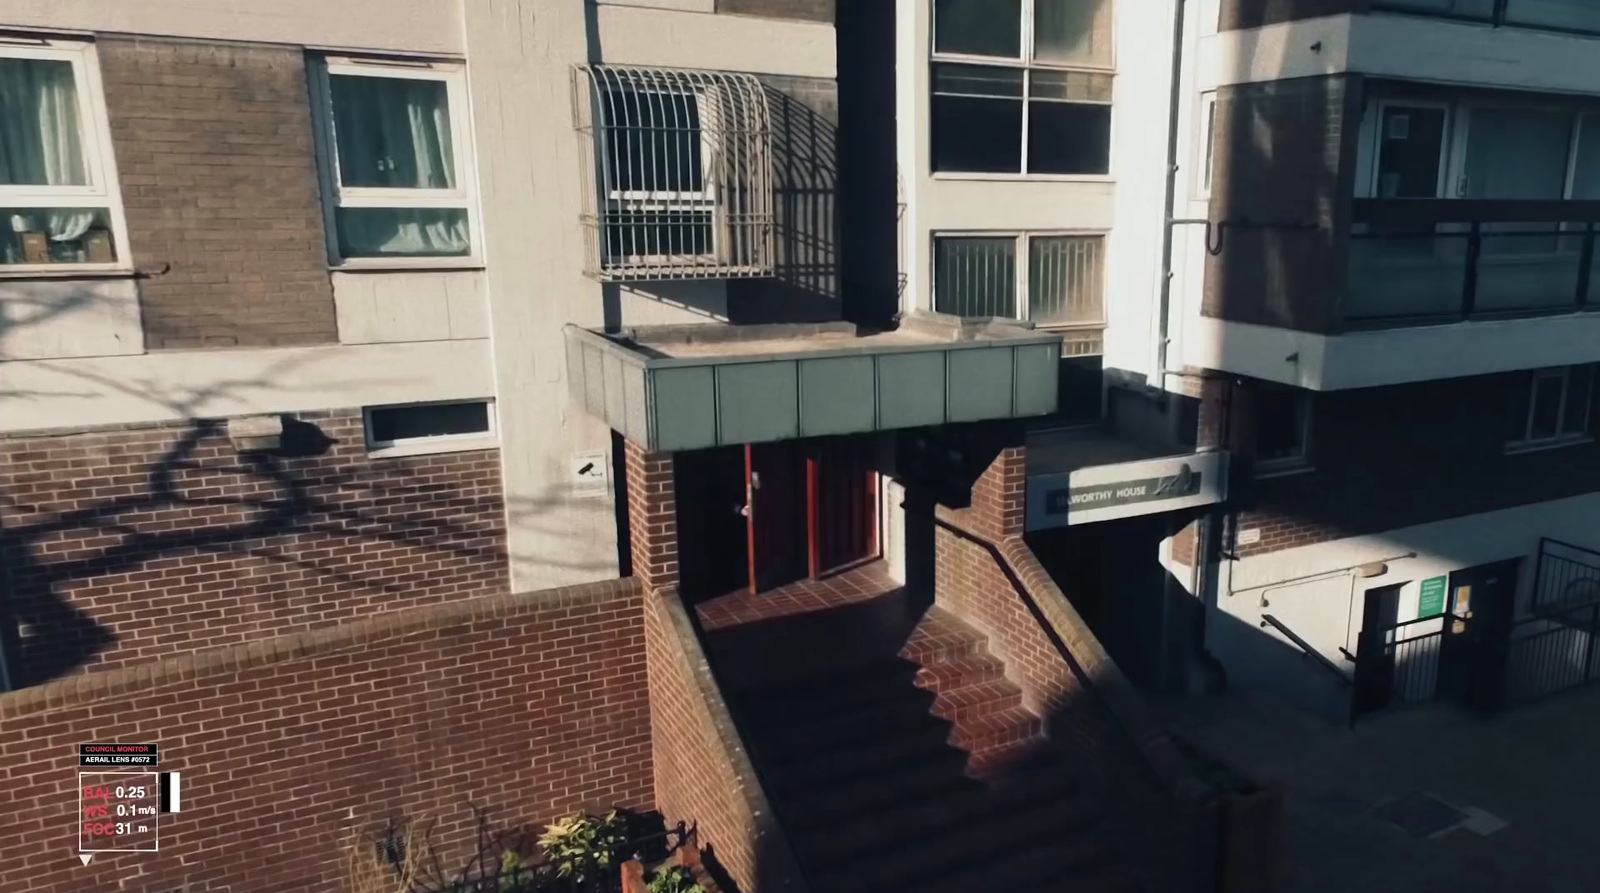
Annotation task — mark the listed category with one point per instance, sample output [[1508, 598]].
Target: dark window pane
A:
[[1069, 138], [982, 135], [975, 277], [55, 235], [1280, 425], [392, 132], [977, 27], [657, 234], [1580, 396], [652, 140], [1545, 421], [402, 232], [1072, 31], [1408, 160], [395, 423]]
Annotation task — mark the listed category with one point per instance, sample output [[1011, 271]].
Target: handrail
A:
[[1566, 545], [1471, 210], [1305, 646]]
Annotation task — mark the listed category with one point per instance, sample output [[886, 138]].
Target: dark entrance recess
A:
[[762, 515], [1375, 659]]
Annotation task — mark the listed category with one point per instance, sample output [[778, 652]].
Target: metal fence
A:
[[1567, 576], [489, 872], [1552, 651], [1412, 649]]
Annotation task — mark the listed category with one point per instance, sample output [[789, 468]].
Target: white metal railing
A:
[[677, 171]]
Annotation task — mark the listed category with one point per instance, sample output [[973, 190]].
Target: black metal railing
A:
[[1426, 260], [1412, 648], [1307, 648], [1566, 576], [1567, 16], [1551, 652]]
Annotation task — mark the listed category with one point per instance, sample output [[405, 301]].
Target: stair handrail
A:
[[1310, 650]]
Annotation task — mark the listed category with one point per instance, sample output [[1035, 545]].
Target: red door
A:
[[844, 503], [775, 482]]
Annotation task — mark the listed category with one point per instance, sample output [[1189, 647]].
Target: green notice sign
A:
[[1431, 601]]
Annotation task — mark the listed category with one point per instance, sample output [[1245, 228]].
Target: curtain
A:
[[41, 143], [403, 232], [392, 133], [1072, 31]]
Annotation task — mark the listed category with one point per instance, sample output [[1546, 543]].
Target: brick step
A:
[[941, 636], [935, 776], [1080, 863], [971, 702], [861, 687], [863, 761], [781, 741], [927, 818], [1066, 836], [1001, 728], [957, 672]]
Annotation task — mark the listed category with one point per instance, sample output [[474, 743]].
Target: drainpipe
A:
[[1174, 98]]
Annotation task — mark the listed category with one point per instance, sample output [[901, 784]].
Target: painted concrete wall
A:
[[1391, 356], [1401, 46], [674, 38], [416, 26], [55, 318], [1315, 590], [377, 307], [173, 385]]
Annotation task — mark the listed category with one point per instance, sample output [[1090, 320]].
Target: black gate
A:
[[1411, 662]]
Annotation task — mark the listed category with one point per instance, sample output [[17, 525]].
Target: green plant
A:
[[581, 845], [676, 879]]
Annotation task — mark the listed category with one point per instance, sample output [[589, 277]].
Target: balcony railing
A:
[[1415, 261], [1571, 16]]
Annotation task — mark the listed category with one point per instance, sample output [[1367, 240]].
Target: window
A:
[[1282, 430], [58, 196], [396, 161], [977, 276], [679, 173], [1208, 144], [430, 427], [1553, 407], [1022, 86]]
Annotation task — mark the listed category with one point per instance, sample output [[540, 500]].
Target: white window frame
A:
[[1447, 163], [1301, 462], [1024, 240], [667, 201], [335, 195], [99, 161], [1027, 64], [1527, 442], [489, 438], [1205, 145]]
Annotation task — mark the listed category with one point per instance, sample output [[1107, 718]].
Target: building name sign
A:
[[1186, 482]]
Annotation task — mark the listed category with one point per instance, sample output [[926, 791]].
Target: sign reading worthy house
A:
[[1125, 490]]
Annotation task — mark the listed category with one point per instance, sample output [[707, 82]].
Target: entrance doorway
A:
[[760, 516], [1375, 654], [1472, 657]]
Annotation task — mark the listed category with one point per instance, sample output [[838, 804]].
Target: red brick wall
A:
[[219, 181], [652, 516], [128, 545], [532, 705], [1410, 454]]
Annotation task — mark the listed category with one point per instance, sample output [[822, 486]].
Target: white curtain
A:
[[394, 133], [41, 143]]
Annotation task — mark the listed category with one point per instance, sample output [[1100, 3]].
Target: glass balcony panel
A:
[[1400, 274], [1574, 15], [1477, 9], [1527, 267]]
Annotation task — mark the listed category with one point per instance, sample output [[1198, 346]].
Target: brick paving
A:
[[854, 586]]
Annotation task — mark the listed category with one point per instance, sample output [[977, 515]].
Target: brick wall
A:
[[1237, 14], [219, 181], [1411, 454], [810, 10], [1285, 162], [126, 545], [532, 705]]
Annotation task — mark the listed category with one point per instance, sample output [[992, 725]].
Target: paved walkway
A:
[[1536, 768]]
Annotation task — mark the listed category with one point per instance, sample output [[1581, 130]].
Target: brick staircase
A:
[[906, 761]]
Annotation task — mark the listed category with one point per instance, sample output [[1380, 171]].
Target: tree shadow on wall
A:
[[143, 541]]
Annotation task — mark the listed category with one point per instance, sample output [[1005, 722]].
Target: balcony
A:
[[696, 386], [1570, 16], [1428, 261]]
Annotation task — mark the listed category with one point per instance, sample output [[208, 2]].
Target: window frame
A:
[[1024, 259], [489, 438], [665, 201], [99, 161], [1527, 443], [1285, 465], [1025, 62], [335, 195]]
